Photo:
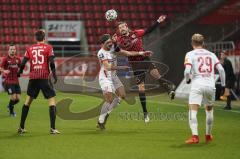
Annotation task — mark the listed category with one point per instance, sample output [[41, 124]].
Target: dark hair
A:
[[11, 44], [119, 23], [104, 38], [40, 35]]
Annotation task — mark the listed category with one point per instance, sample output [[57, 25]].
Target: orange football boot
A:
[[193, 140], [208, 138]]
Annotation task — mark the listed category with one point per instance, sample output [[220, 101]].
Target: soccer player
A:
[[200, 64], [40, 56], [230, 79], [112, 87], [132, 41], [9, 67]]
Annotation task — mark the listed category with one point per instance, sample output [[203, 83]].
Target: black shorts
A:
[[140, 68], [230, 84], [13, 88], [35, 85]]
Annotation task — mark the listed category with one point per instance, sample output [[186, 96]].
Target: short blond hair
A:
[[197, 39]]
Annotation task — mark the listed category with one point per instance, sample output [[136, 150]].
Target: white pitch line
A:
[[182, 105]]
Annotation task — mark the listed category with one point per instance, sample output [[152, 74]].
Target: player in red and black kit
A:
[[40, 56], [132, 41], [9, 67]]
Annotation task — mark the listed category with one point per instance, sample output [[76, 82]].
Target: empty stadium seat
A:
[[19, 18]]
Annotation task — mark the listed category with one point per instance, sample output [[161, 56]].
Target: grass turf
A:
[[161, 138]]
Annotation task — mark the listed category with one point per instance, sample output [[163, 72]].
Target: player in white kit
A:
[[200, 65], [112, 87]]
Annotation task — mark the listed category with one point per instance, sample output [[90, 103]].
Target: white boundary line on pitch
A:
[[182, 105]]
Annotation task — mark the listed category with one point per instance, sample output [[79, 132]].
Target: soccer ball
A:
[[111, 15]]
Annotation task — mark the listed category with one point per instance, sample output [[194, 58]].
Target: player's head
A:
[[122, 28], [223, 54], [12, 50], [106, 41], [197, 40], [40, 35]]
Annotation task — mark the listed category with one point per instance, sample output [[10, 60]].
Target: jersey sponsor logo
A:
[[134, 36], [101, 56]]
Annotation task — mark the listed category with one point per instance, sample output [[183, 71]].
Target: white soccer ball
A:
[[111, 15]]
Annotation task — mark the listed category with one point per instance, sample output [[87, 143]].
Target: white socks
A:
[[107, 108], [193, 123], [209, 122], [104, 111]]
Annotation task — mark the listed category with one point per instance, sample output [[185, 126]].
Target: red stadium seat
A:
[[20, 17], [8, 39], [23, 8], [87, 8], [7, 31]]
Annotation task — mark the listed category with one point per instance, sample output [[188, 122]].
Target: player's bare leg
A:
[[170, 87], [120, 95], [108, 96], [24, 114], [142, 97], [209, 123], [52, 115], [193, 123]]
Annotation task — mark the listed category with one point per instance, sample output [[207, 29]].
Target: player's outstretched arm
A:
[[160, 20], [120, 51], [135, 53], [22, 66], [110, 67]]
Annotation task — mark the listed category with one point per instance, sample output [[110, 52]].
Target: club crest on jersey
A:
[[133, 36]]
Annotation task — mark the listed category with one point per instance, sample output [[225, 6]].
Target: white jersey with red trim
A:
[[203, 63], [111, 58]]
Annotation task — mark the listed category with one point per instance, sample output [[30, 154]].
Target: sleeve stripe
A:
[[188, 64], [216, 64]]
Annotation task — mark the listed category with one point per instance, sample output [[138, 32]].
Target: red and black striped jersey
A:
[[12, 64], [38, 55], [132, 42]]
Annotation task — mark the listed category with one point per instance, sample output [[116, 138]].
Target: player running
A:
[[9, 67], [200, 64], [112, 87], [132, 41], [40, 56]]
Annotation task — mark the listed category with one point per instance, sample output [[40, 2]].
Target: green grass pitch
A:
[[123, 139]]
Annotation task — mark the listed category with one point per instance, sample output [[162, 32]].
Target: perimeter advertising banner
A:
[[63, 30]]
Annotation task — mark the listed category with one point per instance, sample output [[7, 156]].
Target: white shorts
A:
[[202, 95], [110, 85]]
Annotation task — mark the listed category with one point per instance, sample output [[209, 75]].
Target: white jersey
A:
[[203, 63], [108, 80], [111, 58]]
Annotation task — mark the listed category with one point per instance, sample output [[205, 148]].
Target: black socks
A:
[[229, 100], [11, 106], [52, 114], [25, 110], [142, 98]]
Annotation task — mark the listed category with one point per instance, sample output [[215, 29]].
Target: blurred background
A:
[[73, 28]]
